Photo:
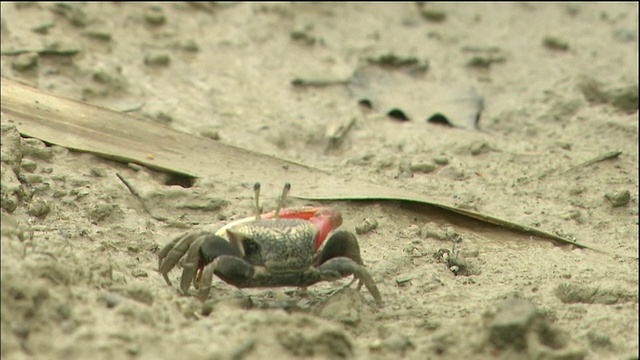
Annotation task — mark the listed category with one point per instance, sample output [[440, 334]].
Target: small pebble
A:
[[98, 35], [30, 179], [39, 208], [402, 281], [441, 160], [139, 273], [162, 118], [619, 198], [434, 15], [28, 165], [155, 16], [577, 190], [211, 134], [512, 323], [160, 59], [25, 61], [555, 43], [573, 214], [112, 300], [479, 147], [100, 211], [42, 29], [367, 225], [190, 46], [424, 168], [98, 172]]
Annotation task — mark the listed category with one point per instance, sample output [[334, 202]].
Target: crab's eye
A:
[[250, 247]]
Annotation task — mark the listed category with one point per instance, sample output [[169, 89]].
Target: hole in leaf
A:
[[397, 114], [365, 103], [439, 119], [178, 179]]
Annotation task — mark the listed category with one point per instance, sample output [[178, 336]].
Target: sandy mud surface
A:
[[556, 150]]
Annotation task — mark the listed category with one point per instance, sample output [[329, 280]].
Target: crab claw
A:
[[201, 248]]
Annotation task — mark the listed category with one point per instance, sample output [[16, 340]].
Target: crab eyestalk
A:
[[256, 191], [285, 191]]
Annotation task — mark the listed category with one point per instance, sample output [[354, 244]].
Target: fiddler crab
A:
[[275, 249]]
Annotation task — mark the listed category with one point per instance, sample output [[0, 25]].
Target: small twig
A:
[[606, 156], [139, 197], [319, 82], [134, 108], [336, 134]]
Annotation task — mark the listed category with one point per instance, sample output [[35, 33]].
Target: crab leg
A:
[[340, 267], [171, 253]]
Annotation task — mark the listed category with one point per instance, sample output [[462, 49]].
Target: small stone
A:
[[441, 160], [36, 148], [30, 179], [39, 208], [98, 35], [303, 37], [574, 214], [159, 59], [208, 307], [619, 198], [100, 211], [139, 273], [211, 134], [623, 98], [404, 280], [9, 203], [112, 300], [25, 61], [479, 147], [101, 77], [73, 13], [564, 145], [162, 118], [369, 224], [454, 173], [28, 165], [554, 43], [190, 46], [98, 172], [511, 323], [133, 349], [577, 190], [433, 15], [599, 340], [424, 168], [155, 16], [42, 29], [79, 182]]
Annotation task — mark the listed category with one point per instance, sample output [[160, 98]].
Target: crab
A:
[[285, 247]]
